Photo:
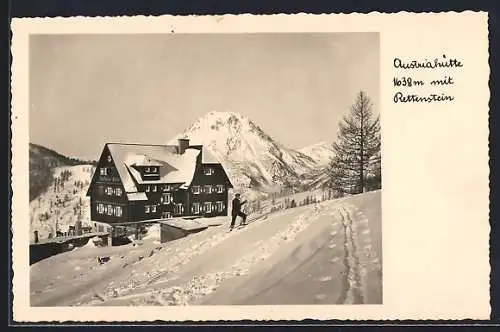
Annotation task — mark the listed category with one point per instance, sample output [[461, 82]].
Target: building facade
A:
[[135, 183]]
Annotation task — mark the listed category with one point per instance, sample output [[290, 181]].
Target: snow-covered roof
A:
[[174, 167], [142, 160], [185, 224], [207, 157]]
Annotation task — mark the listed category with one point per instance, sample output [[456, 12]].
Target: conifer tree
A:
[[356, 160]]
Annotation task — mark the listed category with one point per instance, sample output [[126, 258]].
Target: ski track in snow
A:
[[353, 286], [359, 255]]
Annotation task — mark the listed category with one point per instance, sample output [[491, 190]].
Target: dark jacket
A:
[[237, 206]]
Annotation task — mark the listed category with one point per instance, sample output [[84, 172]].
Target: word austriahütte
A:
[[442, 62]]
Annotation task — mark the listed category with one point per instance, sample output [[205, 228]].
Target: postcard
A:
[[260, 167]]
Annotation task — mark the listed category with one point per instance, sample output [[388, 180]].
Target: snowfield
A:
[[324, 253]]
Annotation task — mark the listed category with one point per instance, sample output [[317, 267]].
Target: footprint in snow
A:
[[333, 233], [331, 246], [320, 297]]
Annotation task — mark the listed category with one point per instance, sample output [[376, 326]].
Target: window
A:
[[100, 208], [220, 188], [207, 189], [147, 189], [109, 191], [153, 208], [208, 207], [166, 215], [154, 188], [179, 208], [220, 206], [118, 211], [195, 208], [110, 210], [109, 159], [146, 208], [103, 171], [118, 191], [153, 169], [166, 198], [167, 188], [209, 171], [100, 190], [196, 189], [148, 170]]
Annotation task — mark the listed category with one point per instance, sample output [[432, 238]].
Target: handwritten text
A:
[[409, 81]]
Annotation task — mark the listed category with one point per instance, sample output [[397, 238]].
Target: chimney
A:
[[183, 145]]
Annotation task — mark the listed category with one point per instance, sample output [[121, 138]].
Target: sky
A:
[[86, 90]]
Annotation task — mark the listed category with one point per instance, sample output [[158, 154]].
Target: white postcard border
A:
[[422, 255]]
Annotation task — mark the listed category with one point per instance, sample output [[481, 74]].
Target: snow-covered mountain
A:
[[63, 203], [57, 186], [250, 156], [42, 163], [320, 152]]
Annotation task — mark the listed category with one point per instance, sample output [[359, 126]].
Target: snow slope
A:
[[59, 205], [324, 253], [42, 162], [250, 156]]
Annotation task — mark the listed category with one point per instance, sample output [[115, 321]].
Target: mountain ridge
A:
[[252, 157], [42, 162]]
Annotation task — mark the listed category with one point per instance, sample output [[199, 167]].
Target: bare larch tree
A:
[[355, 165]]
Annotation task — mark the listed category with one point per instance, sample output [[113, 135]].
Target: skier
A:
[[237, 211]]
